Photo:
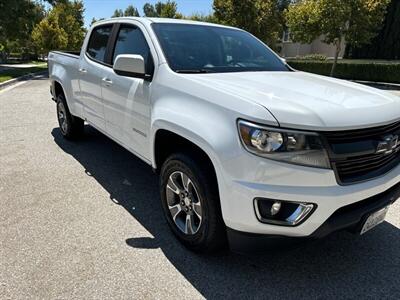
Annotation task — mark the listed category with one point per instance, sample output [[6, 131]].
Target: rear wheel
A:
[[71, 127], [190, 202]]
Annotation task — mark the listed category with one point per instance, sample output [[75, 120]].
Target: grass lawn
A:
[[17, 72], [34, 62]]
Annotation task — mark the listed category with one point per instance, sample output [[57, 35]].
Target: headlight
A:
[[296, 147]]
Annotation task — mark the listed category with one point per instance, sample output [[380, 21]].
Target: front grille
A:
[[353, 153], [365, 167]]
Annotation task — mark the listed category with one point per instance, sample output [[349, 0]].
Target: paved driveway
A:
[[83, 220]]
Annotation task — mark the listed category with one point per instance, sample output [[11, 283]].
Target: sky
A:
[[105, 8]]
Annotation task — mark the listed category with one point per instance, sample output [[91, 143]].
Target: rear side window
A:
[[98, 42], [131, 40]]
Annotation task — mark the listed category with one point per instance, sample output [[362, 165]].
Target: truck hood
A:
[[309, 101]]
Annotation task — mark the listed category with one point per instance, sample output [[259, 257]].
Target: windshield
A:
[[202, 49]]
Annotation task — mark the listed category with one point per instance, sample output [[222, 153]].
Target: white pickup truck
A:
[[249, 151]]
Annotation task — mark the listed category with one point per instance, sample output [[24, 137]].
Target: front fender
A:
[[207, 125]]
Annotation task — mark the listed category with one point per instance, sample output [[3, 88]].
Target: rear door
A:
[[127, 99], [93, 63]]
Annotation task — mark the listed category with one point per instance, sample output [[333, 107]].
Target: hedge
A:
[[367, 71]]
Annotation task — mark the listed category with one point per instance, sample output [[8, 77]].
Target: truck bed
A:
[[74, 54]]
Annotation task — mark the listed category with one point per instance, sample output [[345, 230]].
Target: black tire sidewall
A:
[[68, 117], [75, 127], [180, 162]]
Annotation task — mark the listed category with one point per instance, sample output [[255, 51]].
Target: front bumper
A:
[[245, 177], [349, 217]]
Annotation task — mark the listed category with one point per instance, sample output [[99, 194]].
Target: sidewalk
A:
[[4, 67]]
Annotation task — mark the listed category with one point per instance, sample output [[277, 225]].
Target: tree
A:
[[202, 18], [17, 20], [48, 35], [117, 13], [386, 45], [259, 17], [131, 11], [71, 20], [355, 21], [168, 9], [63, 28], [149, 11]]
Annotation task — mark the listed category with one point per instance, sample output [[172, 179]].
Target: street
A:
[[83, 220]]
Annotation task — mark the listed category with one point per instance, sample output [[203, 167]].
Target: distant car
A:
[[248, 150]]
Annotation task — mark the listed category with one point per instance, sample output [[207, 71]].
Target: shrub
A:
[[364, 70], [318, 57]]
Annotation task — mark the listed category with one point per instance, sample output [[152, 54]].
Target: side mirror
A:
[[283, 60], [130, 65]]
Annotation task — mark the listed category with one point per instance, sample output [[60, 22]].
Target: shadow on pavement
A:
[[343, 265]]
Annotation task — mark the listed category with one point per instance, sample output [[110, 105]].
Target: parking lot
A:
[[83, 220]]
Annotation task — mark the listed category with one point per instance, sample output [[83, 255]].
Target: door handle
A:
[[82, 70], [107, 81]]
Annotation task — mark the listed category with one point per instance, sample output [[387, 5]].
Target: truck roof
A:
[[148, 21]]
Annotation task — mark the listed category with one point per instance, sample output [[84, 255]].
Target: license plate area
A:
[[374, 219]]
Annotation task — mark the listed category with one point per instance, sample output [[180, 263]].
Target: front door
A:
[[127, 99]]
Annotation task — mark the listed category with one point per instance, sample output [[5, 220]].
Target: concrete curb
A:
[[21, 78]]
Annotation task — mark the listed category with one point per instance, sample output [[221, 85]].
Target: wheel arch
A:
[[57, 89], [167, 142]]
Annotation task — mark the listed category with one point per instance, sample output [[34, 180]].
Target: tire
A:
[[206, 234], [71, 127]]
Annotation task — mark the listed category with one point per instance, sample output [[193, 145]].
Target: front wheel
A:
[[71, 127], [190, 201]]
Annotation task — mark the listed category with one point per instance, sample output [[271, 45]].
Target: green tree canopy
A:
[[259, 17], [386, 45], [149, 11], [17, 20], [355, 21], [131, 11], [70, 17], [48, 35], [117, 13], [168, 9], [210, 18], [64, 19]]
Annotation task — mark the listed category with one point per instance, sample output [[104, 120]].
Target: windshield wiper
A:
[[194, 71]]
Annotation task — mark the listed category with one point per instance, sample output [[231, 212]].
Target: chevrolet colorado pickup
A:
[[249, 151]]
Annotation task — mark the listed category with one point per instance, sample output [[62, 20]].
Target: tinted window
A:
[[194, 48], [132, 41], [98, 42]]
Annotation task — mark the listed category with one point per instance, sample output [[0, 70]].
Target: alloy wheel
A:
[[62, 117], [184, 203]]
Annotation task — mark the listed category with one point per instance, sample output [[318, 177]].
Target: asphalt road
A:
[[83, 220]]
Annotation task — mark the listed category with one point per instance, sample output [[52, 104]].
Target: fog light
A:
[[285, 213], [275, 208]]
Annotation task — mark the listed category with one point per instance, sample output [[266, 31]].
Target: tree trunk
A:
[[338, 42]]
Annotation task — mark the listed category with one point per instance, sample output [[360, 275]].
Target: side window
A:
[[98, 42], [131, 40]]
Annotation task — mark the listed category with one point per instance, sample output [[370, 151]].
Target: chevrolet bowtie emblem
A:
[[388, 145]]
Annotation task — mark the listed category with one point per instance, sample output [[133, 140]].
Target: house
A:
[[292, 49]]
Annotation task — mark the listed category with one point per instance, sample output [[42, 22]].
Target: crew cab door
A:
[[127, 99], [91, 68]]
